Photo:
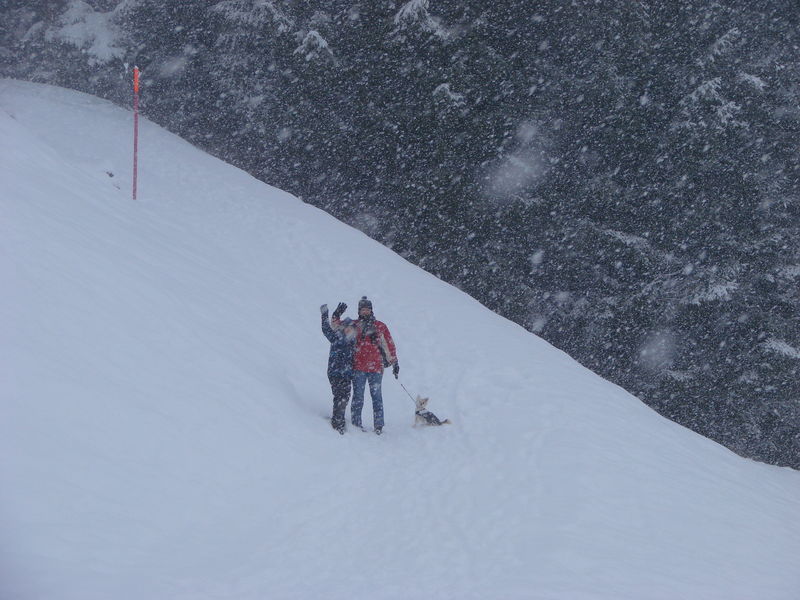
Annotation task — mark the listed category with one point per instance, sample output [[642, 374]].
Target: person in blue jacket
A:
[[342, 337]]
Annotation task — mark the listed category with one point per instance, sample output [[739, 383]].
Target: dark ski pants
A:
[[360, 379], [340, 386]]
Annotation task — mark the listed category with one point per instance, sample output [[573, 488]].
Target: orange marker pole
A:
[[135, 126]]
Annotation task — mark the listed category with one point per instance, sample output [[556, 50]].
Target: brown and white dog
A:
[[422, 416]]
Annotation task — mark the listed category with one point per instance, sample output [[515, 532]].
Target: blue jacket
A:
[[340, 360]]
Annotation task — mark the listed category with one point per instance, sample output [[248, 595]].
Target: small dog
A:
[[426, 417]]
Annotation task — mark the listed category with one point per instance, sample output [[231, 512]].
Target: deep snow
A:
[[163, 385]]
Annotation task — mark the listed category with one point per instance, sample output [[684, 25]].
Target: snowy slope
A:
[[162, 375]]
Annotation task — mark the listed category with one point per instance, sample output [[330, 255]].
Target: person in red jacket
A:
[[375, 351]]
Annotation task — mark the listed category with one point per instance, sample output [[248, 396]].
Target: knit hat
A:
[[364, 303]]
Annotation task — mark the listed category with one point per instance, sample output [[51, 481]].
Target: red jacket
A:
[[371, 338]]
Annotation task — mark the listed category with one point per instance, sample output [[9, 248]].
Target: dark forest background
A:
[[619, 177]]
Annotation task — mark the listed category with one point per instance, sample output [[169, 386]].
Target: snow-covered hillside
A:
[[162, 374]]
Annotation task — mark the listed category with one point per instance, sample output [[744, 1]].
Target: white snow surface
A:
[[162, 374]]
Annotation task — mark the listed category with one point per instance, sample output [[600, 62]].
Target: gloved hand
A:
[[396, 369], [323, 309], [339, 310]]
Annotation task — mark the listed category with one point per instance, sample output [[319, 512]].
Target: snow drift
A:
[[163, 387]]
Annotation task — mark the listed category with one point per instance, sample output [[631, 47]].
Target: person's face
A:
[[364, 312]]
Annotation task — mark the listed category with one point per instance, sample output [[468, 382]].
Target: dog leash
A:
[[407, 392]]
